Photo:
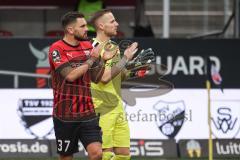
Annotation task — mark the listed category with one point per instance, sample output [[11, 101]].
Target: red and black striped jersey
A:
[[72, 100]]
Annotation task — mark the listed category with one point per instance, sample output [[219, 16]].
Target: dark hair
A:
[[97, 15], [70, 17]]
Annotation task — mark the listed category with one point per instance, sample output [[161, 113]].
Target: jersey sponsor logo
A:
[[36, 115], [171, 116], [70, 55], [42, 66], [225, 118]]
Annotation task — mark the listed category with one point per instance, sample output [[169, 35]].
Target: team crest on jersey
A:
[[36, 116], [225, 118], [170, 117], [56, 56]]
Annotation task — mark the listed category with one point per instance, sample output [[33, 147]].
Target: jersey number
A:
[[60, 145]]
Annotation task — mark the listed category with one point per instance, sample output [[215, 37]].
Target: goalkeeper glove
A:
[[143, 58]]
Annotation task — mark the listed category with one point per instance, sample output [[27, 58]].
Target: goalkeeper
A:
[[107, 93]]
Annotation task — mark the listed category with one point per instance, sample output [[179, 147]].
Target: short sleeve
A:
[[57, 57]]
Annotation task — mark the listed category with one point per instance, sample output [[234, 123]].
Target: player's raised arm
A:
[[110, 73], [71, 74]]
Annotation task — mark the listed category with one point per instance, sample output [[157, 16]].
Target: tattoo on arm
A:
[[97, 70], [66, 70]]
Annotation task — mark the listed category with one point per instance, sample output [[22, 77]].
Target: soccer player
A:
[[116, 135], [73, 113]]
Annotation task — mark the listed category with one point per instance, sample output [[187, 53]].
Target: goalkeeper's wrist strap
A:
[[135, 74], [141, 73]]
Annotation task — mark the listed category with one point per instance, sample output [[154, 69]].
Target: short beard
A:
[[80, 38]]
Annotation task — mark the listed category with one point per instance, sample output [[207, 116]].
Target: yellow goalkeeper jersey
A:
[[107, 97]]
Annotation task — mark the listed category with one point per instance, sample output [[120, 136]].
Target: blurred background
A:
[[195, 41], [161, 18]]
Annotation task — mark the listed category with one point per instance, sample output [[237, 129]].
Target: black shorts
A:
[[69, 133]]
